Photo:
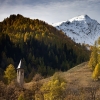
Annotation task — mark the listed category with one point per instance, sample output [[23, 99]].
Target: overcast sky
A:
[[50, 11]]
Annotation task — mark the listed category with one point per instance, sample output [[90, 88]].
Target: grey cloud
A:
[[50, 10]]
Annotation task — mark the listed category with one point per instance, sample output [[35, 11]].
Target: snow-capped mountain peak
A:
[[81, 18], [82, 29]]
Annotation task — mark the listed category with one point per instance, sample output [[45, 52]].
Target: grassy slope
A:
[[79, 76]]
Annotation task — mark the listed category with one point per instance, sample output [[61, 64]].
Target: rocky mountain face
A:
[[81, 29]]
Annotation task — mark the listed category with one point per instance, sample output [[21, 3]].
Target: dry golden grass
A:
[[79, 76], [80, 85]]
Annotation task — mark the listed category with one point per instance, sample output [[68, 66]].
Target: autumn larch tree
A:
[[10, 73], [96, 72]]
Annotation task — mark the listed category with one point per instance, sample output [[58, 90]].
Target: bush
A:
[[2, 89]]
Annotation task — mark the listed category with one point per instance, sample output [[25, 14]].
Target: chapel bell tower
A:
[[20, 74]]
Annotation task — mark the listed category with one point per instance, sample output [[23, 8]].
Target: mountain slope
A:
[[42, 48], [81, 29]]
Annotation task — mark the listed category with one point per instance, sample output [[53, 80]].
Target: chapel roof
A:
[[20, 65]]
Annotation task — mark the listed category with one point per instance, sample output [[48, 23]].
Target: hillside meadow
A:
[[80, 84]]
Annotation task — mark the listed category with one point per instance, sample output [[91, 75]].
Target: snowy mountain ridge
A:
[[81, 29]]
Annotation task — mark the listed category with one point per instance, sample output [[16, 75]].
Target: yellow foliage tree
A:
[[96, 72], [21, 97], [54, 89], [26, 37], [10, 73], [95, 55], [94, 58]]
